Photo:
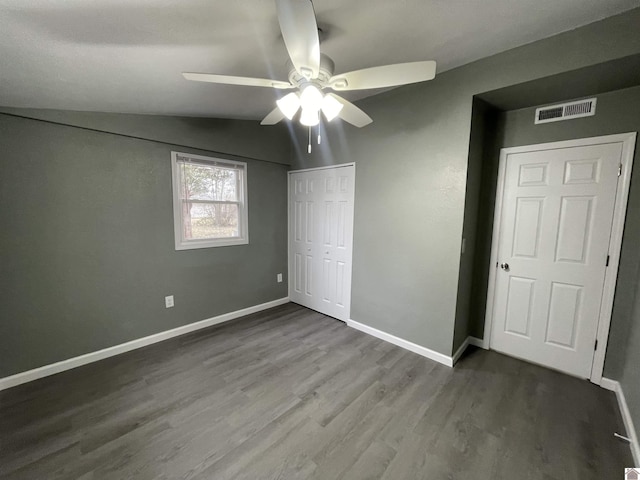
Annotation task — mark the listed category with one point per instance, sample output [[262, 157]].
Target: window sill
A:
[[222, 242]]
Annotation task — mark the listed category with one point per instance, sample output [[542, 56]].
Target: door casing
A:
[[628, 141]]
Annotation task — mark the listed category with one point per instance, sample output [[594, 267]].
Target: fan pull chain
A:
[[319, 137], [309, 148]]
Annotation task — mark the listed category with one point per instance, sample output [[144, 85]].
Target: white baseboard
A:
[[615, 386], [387, 337], [460, 351], [609, 384], [30, 375], [478, 342]]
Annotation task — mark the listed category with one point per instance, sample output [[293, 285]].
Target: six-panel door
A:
[[321, 237], [554, 236]]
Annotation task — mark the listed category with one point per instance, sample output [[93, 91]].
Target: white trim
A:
[[289, 235], [497, 214], [474, 341], [578, 142], [615, 386], [407, 345], [478, 342], [52, 369], [615, 247], [339, 165], [243, 204], [460, 351], [628, 141], [609, 384]]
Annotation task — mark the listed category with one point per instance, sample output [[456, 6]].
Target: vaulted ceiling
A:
[[128, 55]]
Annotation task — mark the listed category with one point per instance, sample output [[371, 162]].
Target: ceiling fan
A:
[[312, 72]]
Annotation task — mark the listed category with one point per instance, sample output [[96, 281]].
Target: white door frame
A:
[[628, 141], [328, 167]]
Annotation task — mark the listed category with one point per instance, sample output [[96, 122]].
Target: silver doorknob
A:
[[504, 266]]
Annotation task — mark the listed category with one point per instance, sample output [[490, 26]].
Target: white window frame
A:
[[186, 244]]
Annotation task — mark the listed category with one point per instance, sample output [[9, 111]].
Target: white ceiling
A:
[[127, 55]]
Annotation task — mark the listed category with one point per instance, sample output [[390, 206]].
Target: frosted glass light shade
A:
[[331, 107], [289, 104], [309, 118], [311, 98]]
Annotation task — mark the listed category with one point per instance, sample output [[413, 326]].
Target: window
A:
[[209, 201]]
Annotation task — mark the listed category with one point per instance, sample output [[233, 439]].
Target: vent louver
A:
[[566, 111]]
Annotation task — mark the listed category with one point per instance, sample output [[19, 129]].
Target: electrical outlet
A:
[[279, 278], [168, 301]]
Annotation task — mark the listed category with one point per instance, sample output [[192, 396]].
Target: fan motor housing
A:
[[326, 72]]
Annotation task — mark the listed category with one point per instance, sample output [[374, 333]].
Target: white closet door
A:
[[321, 238], [557, 211]]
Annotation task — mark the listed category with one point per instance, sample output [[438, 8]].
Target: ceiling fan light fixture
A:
[[311, 72], [289, 104], [311, 98], [309, 118], [331, 107]]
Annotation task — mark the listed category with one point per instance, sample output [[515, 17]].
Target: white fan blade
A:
[[300, 34], [386, 76], [274, 117], [230, 80], [350, 113]]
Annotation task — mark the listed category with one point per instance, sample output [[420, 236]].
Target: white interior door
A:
[[321, 239], [555, 226]]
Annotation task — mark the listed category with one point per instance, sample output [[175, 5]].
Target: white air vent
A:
[[566, 111]]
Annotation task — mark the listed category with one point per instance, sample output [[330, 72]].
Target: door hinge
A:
[[607, 264], [596, 345], [619, 169]]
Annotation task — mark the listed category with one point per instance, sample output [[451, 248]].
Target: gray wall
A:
[[630, 375], [411, 178], [87, 249], [485, 173], [482, 122], [227, 137]]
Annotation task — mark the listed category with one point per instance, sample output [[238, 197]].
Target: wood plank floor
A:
[[291, 394]]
